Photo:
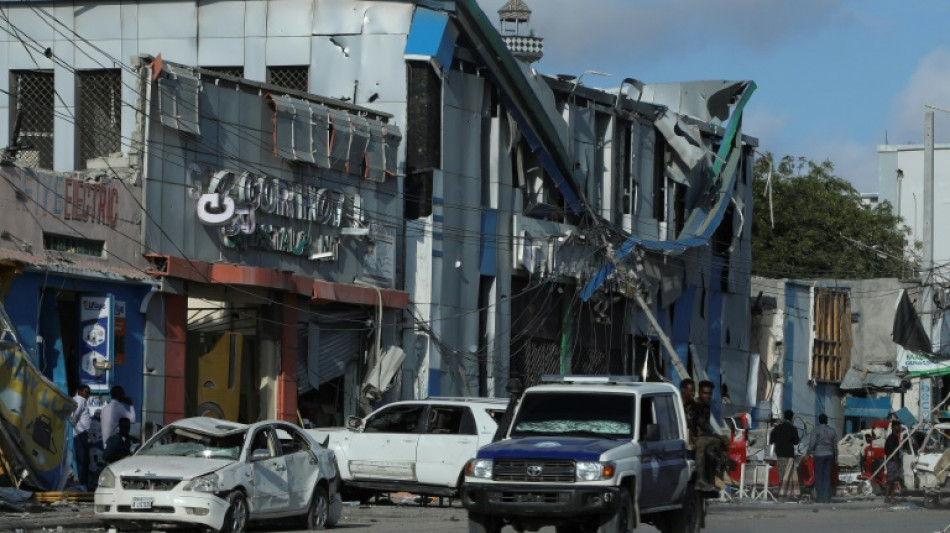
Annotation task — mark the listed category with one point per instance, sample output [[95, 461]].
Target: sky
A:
[[836, 78]]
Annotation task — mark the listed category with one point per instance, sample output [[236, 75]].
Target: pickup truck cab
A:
[[588, 454]]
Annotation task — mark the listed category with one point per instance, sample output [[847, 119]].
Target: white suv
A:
[[418, 446]]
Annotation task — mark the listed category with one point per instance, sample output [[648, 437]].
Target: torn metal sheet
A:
[[359, 69], [857, 379], [375, 153], [340, 136], [178, 100], [359, 141], [709, 101], [583, 143], [431, 38], [340, 17], [684, 140]]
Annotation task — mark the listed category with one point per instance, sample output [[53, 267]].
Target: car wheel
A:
[[235, 520], [622, 519], [319, 510], [479, 523], [689, 518]]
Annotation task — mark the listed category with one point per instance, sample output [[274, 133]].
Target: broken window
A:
[[32, 92], [831, 352], [99, 106], [295, 78]]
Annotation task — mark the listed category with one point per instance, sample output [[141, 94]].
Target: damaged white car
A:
[[219, 475]]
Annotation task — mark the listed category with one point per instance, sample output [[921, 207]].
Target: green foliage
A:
[[821, 230]]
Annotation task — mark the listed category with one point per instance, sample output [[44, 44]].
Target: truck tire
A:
[[689, 518], [622, 519], [479, 523]]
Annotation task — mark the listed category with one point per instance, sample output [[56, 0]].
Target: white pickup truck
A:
[[418, 446]]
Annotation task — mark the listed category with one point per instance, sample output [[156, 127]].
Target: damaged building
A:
[[341, 201]]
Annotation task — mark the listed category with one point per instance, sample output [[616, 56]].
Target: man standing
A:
[[120, 444], [785, 438], [823, 446], [704, 437], [119, 407], [688, 392], [81, 419], [894, 456]]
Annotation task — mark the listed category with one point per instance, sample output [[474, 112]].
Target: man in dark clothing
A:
[[119, 445], [705, 438], [785, 438], [894, 455], [688, 392]]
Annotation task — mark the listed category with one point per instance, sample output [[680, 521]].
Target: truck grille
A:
[[540, 471], [149, 483]]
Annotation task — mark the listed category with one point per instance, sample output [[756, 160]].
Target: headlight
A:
[[207, 483], [480, 468], [107, 478], [593, 471]]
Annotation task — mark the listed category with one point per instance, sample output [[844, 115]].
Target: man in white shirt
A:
[[81, 419], [119, 407]]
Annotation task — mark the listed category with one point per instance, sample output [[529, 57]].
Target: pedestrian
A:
[[823, 447], [119, 407], [785, 438], [894, 455], [120, 444], [707, 443], [688, 393], [81, 419]]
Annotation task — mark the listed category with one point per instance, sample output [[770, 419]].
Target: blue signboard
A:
[[96, 329]]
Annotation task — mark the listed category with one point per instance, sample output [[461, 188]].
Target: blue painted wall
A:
[[26, 298]]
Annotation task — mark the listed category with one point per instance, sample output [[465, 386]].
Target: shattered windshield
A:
[[178, 442], [575, 414]]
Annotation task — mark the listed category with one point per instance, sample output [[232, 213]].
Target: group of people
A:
[[823, 449], [116, 419], [704, 439]]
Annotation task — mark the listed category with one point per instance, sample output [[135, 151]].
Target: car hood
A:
[[166, 466], [576, 448]]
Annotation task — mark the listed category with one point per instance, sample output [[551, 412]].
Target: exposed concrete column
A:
[[287, 378], [269, 359]]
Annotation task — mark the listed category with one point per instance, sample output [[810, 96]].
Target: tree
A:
[[821, 229]]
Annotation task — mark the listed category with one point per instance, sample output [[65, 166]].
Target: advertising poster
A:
[[379, 258], [36, 412], [95, 341]]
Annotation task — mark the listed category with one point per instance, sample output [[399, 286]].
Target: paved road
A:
[[844, 517]]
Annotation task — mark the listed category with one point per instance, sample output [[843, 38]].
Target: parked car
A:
[[220, 475], [415, 446]]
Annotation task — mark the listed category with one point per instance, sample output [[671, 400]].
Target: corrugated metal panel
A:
[[332, 347]]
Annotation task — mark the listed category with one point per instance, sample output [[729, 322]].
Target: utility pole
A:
[[927, 304]]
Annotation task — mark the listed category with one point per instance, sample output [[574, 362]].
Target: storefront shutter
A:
[[332, 348]]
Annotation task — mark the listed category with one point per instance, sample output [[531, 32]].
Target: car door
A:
[[385, 448], [450, 438], [302, 466], [650, 455], [672, 450], [270, 486]]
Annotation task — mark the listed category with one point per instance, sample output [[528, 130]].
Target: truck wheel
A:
[[622, 519], [689, 518], [479, 523]]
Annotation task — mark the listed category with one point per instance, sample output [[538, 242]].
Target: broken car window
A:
[[177, 442]]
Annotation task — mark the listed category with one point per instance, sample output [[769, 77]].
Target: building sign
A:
[[236, 202], [72, 199], [95, 342], [34, 412]]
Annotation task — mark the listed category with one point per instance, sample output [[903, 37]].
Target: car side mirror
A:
[[354, 423], [261, 455], [652, 433]]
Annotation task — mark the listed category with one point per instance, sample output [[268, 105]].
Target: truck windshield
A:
[[575, 414]]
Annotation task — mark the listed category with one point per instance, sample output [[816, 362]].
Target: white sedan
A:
[[217, 474]]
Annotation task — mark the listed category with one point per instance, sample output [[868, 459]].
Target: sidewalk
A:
[[58, 516]]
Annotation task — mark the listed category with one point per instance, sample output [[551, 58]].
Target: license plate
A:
[[142, 503]]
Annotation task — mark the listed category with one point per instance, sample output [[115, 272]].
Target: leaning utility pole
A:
[[926, 385]]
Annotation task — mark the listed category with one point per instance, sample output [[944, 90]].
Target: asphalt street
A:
[[866, 516]]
